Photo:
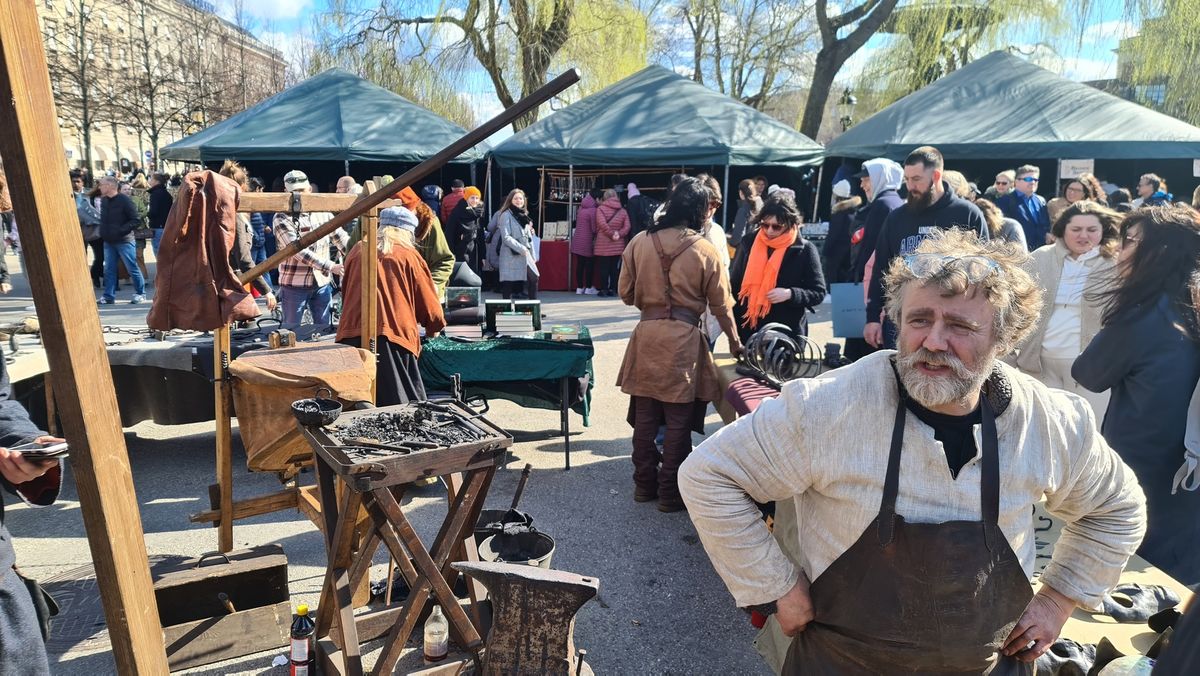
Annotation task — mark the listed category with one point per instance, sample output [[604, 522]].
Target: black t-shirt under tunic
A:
[[956, 432]]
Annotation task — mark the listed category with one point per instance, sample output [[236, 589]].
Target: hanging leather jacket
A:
[[197, 288]]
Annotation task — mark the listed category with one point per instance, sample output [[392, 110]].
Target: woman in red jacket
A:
[[612, 226]]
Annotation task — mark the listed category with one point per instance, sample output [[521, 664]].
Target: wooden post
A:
[[370, 273], [222, 392], [74, 346]]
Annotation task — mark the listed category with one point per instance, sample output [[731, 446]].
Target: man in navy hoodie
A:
[[932, 205]]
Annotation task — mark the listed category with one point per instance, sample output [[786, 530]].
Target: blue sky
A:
[[282, 23]]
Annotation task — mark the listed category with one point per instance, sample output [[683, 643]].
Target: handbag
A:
[[89, 218], [143, 232]]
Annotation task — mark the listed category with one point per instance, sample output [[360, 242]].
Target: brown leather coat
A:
[[197, 289]]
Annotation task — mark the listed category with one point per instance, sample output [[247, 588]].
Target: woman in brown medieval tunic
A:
[[671, 273], [406, 298]]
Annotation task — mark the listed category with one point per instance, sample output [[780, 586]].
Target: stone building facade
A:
[[140, 74]]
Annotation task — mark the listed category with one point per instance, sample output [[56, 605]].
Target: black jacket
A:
[[1152, 366], [118, 219], [905, 229], [877, 212], [800, 271], [836, 251], [160, 206], [463, 230]]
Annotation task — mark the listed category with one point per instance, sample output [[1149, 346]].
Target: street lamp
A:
[[846, 108]]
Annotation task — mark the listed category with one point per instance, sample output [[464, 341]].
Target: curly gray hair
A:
[[1010, 289]]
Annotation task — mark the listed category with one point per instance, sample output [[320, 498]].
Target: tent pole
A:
[[816, 204], [725, 200], [488, 185], [347, 167], [570, 217], [472, 173]]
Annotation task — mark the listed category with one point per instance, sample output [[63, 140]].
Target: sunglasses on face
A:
[[775, 227], [927, 266], [1029, 179], [1001, 182]]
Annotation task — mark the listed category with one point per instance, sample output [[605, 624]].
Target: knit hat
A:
[[471, 190], [398, 217], [632, 190], [841, 189], [295, 180], [408, 197]]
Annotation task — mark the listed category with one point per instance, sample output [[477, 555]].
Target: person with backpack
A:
[[612, 227]]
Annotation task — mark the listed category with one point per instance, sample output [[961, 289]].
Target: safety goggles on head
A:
[[928, 265]]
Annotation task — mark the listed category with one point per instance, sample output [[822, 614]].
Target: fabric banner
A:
[[849, 310]]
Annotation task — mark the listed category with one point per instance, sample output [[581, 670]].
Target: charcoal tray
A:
[[378, 465]]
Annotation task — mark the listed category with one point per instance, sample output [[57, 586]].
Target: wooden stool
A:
[[375, 476]]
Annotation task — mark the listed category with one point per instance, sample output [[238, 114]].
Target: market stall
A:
[[1001, 111], [644, 128], [332, 124]]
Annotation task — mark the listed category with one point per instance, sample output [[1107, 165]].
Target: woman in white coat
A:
[[1081, 263]]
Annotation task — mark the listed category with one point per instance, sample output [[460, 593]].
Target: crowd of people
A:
[[1014, 351]]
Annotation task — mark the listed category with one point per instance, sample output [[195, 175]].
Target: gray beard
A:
[[932, 391]]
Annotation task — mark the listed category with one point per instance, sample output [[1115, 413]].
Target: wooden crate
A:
[[197, 627]]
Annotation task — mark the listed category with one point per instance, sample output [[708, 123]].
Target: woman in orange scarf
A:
[[776, 275]]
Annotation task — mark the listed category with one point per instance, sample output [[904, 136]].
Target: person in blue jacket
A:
[[1028, 208]]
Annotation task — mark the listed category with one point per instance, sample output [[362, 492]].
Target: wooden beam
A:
[[368, 202], [282, 202], [70, 324], [370, 277], [244, 509]]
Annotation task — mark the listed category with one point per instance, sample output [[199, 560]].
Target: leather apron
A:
[[919, 598]]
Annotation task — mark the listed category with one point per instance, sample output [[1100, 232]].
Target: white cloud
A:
[[1082, 70], [1109, 30]]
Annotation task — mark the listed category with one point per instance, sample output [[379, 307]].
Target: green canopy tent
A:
[[1002, 106], [659, 117], [656, 118], [334, 116]]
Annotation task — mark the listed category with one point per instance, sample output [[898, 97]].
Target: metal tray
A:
[[381, 464]]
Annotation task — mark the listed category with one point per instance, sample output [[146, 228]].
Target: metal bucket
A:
[[531, 548], [492, 521]]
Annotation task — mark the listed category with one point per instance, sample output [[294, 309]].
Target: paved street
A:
[[661, 610]]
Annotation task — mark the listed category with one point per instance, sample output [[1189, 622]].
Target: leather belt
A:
[[677, 313]]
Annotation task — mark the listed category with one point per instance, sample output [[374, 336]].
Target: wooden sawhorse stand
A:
[[345, 487]]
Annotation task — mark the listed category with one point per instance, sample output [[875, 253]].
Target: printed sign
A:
[[1196, 168], [1074, 168]]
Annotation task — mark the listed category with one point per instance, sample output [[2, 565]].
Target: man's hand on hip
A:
[[873, 334], [1039, 625], [795, 609]]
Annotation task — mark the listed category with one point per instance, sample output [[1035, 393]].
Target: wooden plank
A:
[[212, 639], [468, 550], [243, 509], [51, 411], [70, 326], [310, 505], [470, 140], [224, 441]]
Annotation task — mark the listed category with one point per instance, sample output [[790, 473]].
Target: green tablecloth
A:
[[528, 371]]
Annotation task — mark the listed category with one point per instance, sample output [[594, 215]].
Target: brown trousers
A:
[[649, 477]]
